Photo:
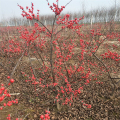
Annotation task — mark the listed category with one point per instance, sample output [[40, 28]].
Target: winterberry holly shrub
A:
[[58, 64]]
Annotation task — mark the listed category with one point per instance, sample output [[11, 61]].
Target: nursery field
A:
[[86, 67]]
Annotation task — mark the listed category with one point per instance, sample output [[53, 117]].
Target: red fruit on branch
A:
[[12, 80], [8, 77], [42, 116]]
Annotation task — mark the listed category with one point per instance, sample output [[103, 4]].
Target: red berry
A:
[[12, 80], [89, 106], [4, 104], [47, 111], [2, 88], [46, 115], [42, 116], [8, 83], [1, 108], [8, 77]]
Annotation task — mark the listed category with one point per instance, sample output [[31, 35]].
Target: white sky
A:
[[9, 8]]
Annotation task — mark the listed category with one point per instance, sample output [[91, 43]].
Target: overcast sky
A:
[[9, 8]]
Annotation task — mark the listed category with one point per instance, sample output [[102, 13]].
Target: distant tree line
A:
[[97, 15]]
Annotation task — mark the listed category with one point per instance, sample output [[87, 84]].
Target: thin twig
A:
[[68, 3], [26, 116], [106, 70], [52, 50], [43, 25], [32, 65]]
